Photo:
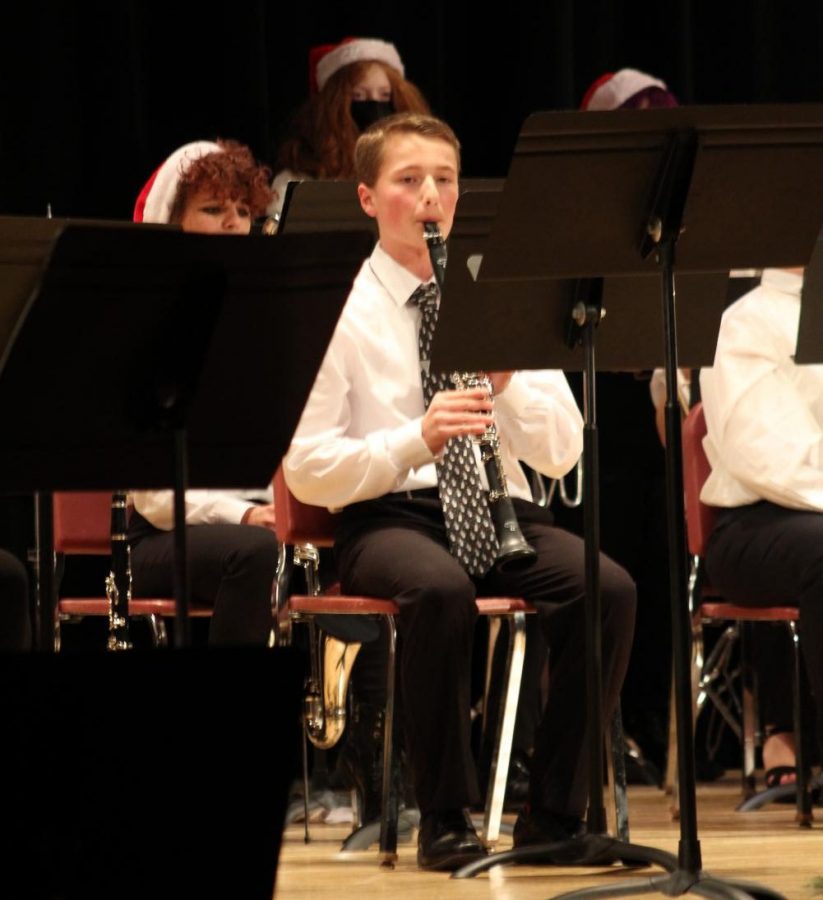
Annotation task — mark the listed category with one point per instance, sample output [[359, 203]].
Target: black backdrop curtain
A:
[[94, 95]]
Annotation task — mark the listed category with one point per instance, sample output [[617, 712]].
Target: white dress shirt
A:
[[203, 507], [764, 413], [360, 435]]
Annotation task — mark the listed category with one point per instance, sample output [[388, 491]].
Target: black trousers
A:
[[765, 554], [396, 547], [231, 568], [15, 624]]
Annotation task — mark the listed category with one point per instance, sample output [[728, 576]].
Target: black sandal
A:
[[774, 778]]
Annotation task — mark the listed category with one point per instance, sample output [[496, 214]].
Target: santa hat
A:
[[327, 59], [613, 89], [156, 200]]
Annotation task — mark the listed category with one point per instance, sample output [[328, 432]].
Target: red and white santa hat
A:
[[327, 59], [156, 200], [613, 89]]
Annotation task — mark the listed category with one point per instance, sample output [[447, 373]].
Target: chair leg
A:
[[504, 738], [306, 837], [389, 812], [308, 556], [804, 814], [717, 682], [495, 623], [618, 799], [282, 582], [750, 727], [59, 569]]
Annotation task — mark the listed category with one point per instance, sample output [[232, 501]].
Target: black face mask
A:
[[367, 112]]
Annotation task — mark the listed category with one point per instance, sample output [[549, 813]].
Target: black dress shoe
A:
[[447, 841], [517, 784], [542, 826], [569, 843]]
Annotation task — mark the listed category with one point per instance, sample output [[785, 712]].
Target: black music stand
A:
[[124, 341], [133, 349], [592, 195], [312, 206], [518, 310]]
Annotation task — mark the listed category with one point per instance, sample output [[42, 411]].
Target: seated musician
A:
[[764, 416], [353, 84], [209, 188], [368, 444]]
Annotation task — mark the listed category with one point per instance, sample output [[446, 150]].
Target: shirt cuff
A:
[[228, 510], [406, 447]]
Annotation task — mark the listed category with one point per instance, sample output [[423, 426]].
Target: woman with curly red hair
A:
[[209, 188], [353, 84]]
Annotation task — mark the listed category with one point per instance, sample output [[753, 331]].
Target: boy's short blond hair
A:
[[370, 147]]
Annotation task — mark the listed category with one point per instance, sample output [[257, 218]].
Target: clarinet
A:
[[118, 581], [514, 550]]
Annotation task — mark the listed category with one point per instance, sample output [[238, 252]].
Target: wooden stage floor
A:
[[764, 846]]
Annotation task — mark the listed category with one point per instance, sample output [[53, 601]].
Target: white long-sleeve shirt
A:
[[764, 413], [203, 507], [360, 435]]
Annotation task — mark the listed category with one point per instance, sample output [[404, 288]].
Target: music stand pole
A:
[[689, 854], [586, 315], [661, 234]]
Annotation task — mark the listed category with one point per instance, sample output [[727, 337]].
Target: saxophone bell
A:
[[331, 660]]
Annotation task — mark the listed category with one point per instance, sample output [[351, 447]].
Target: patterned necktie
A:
[[472, 539]]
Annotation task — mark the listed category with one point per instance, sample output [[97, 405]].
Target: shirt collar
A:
[[398, 281], [781, 280]]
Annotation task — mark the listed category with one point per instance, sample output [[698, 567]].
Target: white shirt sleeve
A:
[[765, 440], [539, 422], [327, 466], [202, 507]]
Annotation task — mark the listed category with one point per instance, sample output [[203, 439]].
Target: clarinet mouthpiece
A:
[[431, 231]]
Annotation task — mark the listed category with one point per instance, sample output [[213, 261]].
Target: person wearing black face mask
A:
[[367, 112], [353, 85]]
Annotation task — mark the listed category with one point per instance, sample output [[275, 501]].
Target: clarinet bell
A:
[[515, 551]]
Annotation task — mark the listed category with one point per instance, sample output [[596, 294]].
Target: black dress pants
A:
[[231, 568], [763, 555], [396, 547]]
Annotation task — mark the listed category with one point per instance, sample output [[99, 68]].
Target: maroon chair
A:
[[82, 526], [711, 679], [306, 528]]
